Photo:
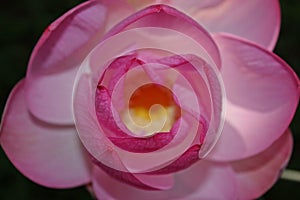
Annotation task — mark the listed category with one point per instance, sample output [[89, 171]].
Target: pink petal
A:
[[117, 10], [262, 96], [48, 155], [161, 182], [57, 55], [256, 20], [257, 174], [162, 16], [181, 5], [204, 180], [144, 145], [188, 158], [90, 133], [142, 181]]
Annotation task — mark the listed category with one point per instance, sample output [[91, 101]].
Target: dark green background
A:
[[22, 23]]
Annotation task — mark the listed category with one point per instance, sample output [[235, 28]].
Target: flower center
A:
[[152, 109]]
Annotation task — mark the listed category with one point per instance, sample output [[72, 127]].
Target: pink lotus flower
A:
[[177, 100]]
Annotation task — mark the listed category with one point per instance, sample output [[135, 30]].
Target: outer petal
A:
[[183, 5], [256, 20], [162, 16], [262, 96], [143, 181], [204, 180], [49, 155], [55, 59], [257, 174]]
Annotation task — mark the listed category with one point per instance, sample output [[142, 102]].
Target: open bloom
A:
[[139, 100]]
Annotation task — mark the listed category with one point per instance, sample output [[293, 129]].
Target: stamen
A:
[[152, 109]]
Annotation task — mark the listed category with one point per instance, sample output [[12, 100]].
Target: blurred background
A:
[[23, 22]]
